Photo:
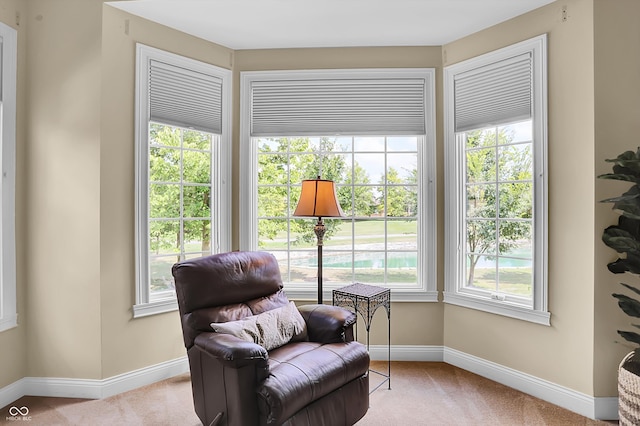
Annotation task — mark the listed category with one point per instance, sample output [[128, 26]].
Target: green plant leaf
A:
[[617, 176], [620, 240], [621, 266], [627, 159], [629, 203], [629, 197], [635, 290], [624, 238], [629, 305], [626, 168], [617, 199], [630, 336], [630, 225], [618, 266]]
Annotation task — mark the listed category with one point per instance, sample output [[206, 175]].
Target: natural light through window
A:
[[180, 195], [499, 211], [376, 183]]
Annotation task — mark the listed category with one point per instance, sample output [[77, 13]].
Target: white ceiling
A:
[[268, 24]]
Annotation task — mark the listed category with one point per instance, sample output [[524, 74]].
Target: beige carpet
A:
[[434, 393], [422, 393]]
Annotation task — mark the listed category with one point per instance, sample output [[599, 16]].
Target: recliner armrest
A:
[[327, 323], [230, 350]]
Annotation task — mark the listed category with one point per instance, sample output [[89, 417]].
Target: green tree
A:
[[197, 190], [288, 161], [293, 160], [273, 167], [363, 201], [499, 195], [401, 194], [179, 157]]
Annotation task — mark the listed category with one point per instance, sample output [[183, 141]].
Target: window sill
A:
[[8, 323], [499, 308], [397, 294], [153, 308]]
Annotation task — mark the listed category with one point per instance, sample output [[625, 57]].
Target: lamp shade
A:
[[318, 199]]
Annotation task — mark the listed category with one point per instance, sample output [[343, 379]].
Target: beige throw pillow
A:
[[270, 329]]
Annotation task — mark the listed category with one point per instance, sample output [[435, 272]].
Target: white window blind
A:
[[338, 106], [494, 94], [185, 98]]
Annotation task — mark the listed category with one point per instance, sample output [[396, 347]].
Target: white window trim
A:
[[454, 180], [221, 175], [426, 288], [8, 308]]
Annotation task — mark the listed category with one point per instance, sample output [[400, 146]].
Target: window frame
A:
[[8, 288], [145, 304], [426, 289], [455, 239]]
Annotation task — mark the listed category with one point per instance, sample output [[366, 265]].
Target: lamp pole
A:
[[319, 230]]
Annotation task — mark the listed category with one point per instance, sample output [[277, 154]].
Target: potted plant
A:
[[625, 238]]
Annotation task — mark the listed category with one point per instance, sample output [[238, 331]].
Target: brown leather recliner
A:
[[319, 381]]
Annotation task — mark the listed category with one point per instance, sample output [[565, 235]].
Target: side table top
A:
[[360, 289]]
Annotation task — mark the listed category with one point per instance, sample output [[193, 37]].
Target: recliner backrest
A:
[[224, 287]]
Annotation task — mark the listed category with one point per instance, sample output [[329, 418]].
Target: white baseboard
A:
[[595, 408], [92, 388], [10, 393], [605, 408], [406, 353]]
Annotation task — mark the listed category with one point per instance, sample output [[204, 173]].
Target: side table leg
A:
[[389, 353]]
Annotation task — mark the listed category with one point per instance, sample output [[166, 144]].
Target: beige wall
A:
[[75, 193], [13, 342], [75, 190], [62, 189], [617, 125], [563, 352], [127, 343]]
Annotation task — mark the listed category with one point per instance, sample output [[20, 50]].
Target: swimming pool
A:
[[375, 260]]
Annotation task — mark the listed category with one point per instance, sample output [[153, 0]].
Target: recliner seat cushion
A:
[[301, 373]]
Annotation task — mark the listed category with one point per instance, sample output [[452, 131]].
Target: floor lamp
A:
[[318, 199]]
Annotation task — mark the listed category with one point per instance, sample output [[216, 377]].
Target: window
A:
[[370, 131], [496, 182], [182, 170], [8, 67]]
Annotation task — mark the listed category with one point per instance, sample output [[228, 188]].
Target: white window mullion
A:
[[181, 222], [386, 214], [497, 215]]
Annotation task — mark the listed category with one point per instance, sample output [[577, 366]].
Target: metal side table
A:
[[365, 299]]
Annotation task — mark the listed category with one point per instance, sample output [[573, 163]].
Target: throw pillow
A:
[[270, 329]]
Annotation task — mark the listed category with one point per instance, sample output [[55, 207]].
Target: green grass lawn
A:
[[515, 281], [367, 275], [368, 232]]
